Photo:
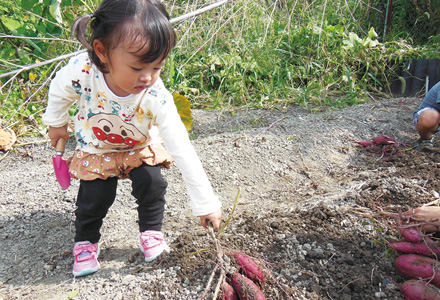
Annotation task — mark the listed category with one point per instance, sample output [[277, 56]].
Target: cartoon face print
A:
[[116, 107], [139, 114], [76, 86], [88, 93], [129, 112], [112, 131], [101, 99], [149, 114], [86, 68]]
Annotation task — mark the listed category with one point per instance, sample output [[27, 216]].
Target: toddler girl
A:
[[123, 107]]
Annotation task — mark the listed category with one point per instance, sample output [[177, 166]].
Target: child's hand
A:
[[56, 133], [214, 217]]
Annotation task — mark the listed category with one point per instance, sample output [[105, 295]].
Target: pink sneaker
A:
[[86, 258], [153, 244]]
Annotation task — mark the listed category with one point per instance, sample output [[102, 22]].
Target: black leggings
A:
[[95, 198]]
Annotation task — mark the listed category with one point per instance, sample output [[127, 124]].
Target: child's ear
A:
[[99, 48]]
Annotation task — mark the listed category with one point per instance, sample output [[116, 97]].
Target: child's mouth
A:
[[140, 88]]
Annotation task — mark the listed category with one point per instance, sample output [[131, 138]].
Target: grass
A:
[[243, 55]]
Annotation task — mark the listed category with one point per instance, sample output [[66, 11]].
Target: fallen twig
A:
[[30, 143], [6, 154], [277, 121]]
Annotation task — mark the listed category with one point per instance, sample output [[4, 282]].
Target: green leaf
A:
[[375, 79], [55, 10], [372, 34], [403, 81], [72, 294], [27, 4], [11, 24], [35, 46], [41, 28]]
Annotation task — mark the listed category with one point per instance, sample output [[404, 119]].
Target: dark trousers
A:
[[95, 198]]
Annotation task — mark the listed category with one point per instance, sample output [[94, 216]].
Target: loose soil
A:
[[312, 205]]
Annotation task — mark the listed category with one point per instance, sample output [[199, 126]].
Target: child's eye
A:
[[136, 69]]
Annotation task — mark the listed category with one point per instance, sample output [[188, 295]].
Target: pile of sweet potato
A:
[[384, 146], [245, 284], [241, 276], [419, 253]]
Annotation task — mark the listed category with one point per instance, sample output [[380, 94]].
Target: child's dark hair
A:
[[119, 21]]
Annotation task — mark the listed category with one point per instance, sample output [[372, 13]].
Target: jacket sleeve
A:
[[61, 97], [178, 145]]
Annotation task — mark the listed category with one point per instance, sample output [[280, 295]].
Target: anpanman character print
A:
[[113, 132]]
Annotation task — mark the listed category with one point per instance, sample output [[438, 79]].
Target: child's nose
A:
[[146, 77]]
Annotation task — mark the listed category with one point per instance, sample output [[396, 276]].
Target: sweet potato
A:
[[424, 248], [228, 292], [419, 290], [249, 267], [245, 288], [411, 235], [384, 140], [415, 266]]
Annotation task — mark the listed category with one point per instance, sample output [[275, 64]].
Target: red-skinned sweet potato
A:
[[411, 235], [228, 292], [426, 248], [419, 290], [415, 266], [245, 288], [384, 140], [249, 267]]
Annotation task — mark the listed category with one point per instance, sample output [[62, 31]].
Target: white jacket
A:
[[109, 123]]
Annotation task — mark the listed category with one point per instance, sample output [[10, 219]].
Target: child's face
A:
[[127, 74]]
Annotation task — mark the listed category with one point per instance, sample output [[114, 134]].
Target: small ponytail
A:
[[79, 30]]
